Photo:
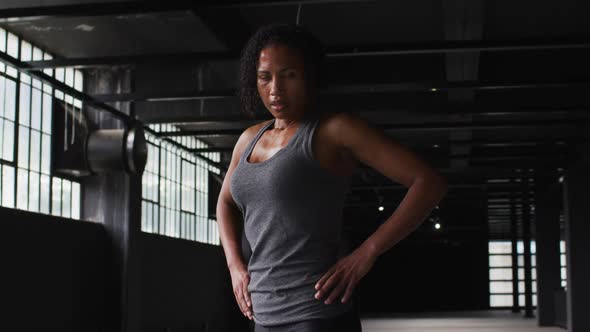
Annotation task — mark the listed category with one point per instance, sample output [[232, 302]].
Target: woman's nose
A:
[[276, 86]]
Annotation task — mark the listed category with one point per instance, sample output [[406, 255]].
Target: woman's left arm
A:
[[425, 190]]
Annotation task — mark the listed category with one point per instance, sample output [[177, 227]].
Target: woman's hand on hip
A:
[[240, 280], [343, 276]]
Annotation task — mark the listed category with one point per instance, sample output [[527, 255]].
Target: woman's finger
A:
[[246, 296], [337, 290], [327, 275], [240, 300], [332, 280], [242, 303], [349, 290], [246, 292]]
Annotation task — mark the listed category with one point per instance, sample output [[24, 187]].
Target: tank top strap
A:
[[250, 145], [309, 124]]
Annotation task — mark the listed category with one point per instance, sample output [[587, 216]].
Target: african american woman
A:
[[286, 185]]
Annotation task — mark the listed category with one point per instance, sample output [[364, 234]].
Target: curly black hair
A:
[[290, 35]]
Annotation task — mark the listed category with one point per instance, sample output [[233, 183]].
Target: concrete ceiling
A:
[[498, 86]]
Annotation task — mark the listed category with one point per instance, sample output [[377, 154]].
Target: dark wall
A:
[[427, 277], [430, 270], [56, 274], [186, 284], [53, 272]]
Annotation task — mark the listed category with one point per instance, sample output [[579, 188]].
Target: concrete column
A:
[[115, 201], [526, 241], [514, 241], [547, 208], [577, 232]]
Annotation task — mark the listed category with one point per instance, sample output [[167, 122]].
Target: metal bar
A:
[[514, 254], [454, 47], [219, 149], [526, 241], [427, 87], [135, 7], [271, 3], [94, 9], [490, 144], [67, 89], [89, 100], [180, 146], [109, 61], [409, 127], [445, 86], [333, 52], [394, 186], [188, 118], [166, 96], [424, 149]]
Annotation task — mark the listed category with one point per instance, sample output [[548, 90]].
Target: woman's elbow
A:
[[436, 184]]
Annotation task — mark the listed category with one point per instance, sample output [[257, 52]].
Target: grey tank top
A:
[[292, 211]]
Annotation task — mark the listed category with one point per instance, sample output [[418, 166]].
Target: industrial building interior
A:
[[118, 120]]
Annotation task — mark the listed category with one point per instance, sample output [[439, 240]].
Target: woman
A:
[[289, 189]]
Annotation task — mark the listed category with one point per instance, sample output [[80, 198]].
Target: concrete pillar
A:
[[547, 233], [526, 241], [577, 232], [514, 241], [115, 201]]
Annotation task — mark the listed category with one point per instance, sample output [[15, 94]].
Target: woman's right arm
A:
[[229, 220], [229, 217]]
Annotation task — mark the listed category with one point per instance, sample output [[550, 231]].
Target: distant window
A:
[[175, 190], [562, 260], [25, 130], [500, 273], [500, 276]]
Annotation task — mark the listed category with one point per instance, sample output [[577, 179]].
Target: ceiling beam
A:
[[463, 20], [33, 9], [576, 123], [432, 87], [186, 117], [333, 52], [30, 8], [473, 143]]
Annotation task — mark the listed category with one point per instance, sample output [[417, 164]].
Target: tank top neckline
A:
[[261, 132]]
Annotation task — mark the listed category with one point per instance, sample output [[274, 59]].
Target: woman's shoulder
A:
[[247, 136], [333, 121], [330, 116], [251, 131], [334, 126]]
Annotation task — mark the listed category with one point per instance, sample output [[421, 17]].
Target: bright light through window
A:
[[25, 132], [501, 268], [175, 190]]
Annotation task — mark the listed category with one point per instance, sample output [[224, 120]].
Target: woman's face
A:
[[280, 80]]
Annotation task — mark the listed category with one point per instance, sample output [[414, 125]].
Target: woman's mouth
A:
[[278, 106]]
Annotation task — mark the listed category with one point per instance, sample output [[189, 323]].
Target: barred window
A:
[[500, 276], [27, 182], [175, 189]]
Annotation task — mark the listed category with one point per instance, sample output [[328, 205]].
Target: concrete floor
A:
[[481, 321]]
